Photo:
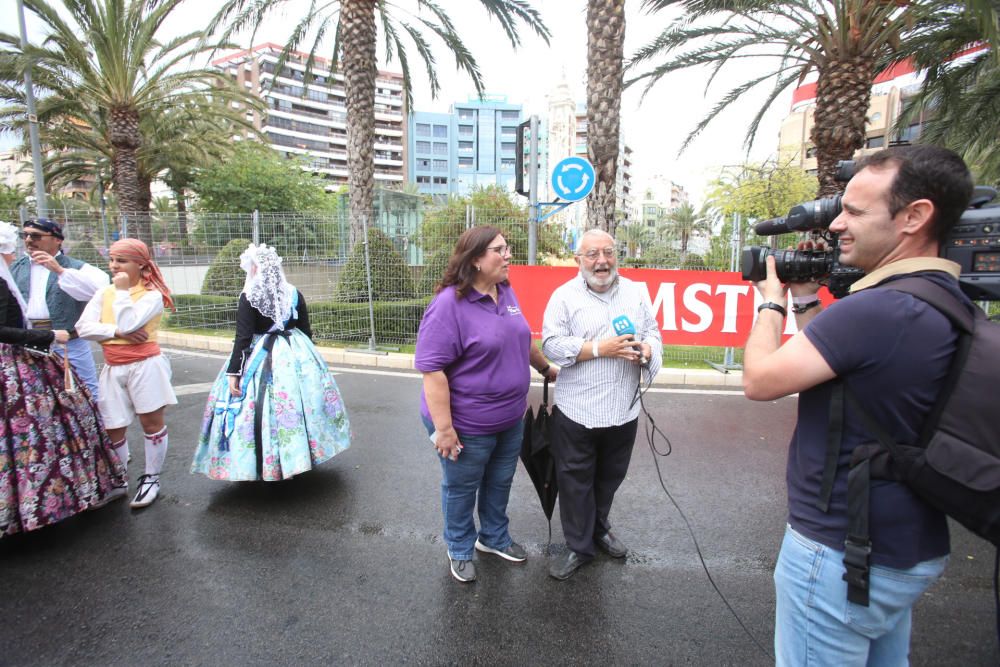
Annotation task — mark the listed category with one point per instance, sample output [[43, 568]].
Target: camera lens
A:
[[793, 266]]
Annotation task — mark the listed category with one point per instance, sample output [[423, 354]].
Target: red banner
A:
[[693, 307]]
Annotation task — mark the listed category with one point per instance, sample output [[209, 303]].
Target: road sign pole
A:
[[533, 192]]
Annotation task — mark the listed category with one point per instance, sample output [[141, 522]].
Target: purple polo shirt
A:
[[482, 347]]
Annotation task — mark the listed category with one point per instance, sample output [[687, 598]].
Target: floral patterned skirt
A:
[[56, 459], [302, 420]]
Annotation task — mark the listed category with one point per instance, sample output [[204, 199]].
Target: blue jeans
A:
[[485, 466], [816, 625], [82, 361]]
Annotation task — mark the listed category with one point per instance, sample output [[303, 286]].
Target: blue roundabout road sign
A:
[[573, 178]]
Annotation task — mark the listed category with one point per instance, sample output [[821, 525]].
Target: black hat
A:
[[50, 226]]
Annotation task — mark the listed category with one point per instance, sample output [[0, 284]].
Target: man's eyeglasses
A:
[[501, 249], [608, 253], [34, 236]]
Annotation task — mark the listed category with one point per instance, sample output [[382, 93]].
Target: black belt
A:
[[47, 324]]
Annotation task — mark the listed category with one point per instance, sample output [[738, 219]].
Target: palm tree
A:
[[355, 27], [958, 105], [633, 236], [101, 66], [846, 42], [605, 54], [683, 222]]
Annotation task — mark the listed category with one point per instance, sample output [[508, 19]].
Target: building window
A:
[[876, 117], [507, 163], [423, 147], [465, 130], [440, 148], [423, 180], [465, 145], [466, 162], [876, 142], [423, 129], [510, 115], [466, 114], [909, 135], [441, 131], [440, 180], [440, 165], [508, 146], [423, 164]]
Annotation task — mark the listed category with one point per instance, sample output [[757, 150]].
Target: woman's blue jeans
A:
[[816, 625], [485, 467]]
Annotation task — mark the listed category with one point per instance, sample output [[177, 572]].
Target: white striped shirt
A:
[[599, 392]]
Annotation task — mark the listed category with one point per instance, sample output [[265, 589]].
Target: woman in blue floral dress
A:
[[274, 410], [56, 459]]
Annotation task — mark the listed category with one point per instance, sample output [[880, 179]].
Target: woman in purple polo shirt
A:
[[474, 347]]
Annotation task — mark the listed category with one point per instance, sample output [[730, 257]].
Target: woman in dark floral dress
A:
[[55, 456]]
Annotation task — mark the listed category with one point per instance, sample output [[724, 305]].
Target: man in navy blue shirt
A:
[[892, 351]]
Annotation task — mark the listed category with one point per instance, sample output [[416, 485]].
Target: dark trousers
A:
[[591, 464]]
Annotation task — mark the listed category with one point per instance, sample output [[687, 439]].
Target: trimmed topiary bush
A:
[[224, 277], [391, 279]]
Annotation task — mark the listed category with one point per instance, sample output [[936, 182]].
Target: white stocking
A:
[[156, 450]]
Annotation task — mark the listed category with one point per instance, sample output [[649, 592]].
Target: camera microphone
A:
[[772, 227], [623, 326]]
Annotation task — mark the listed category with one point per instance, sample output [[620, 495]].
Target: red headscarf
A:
[[138, 251]]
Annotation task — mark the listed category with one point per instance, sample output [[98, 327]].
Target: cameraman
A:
[[892, 351]]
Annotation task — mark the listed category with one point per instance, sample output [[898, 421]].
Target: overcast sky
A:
[[654, 126]]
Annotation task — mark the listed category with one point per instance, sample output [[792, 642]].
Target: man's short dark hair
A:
[[926, 172]]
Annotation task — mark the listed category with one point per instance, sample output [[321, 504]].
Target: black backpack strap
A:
[[858, 545], [947, 303], [834, 435]]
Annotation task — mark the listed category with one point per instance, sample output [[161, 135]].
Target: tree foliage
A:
[[391, 280], [256, 178], [11, 198], [489, 205]]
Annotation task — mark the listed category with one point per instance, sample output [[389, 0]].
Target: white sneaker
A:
[[149, 489], [113, 494]]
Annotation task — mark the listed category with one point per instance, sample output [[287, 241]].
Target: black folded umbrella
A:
[[536, 454]]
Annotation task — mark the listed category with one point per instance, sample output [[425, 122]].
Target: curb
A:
[[398, 361]]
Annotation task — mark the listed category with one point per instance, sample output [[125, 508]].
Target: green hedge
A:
[[395, 321]]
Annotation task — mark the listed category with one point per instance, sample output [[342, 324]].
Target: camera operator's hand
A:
[[771, 288], [808, 288]]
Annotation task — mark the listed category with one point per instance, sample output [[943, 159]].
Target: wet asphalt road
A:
[[345, 564]]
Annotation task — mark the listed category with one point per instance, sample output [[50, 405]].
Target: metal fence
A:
[[371, 303]]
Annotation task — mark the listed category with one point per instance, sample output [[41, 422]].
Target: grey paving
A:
[[345, 564]]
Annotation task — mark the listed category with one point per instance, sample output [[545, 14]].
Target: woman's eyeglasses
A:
[[501, 249]]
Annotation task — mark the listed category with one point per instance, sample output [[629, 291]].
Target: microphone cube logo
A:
[[623, 325]]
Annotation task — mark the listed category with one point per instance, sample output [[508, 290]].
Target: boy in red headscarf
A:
[[124, 319]]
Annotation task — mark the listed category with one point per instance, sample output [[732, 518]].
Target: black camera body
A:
[[973, 243]]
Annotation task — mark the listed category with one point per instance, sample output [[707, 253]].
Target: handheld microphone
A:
[[622, 326]]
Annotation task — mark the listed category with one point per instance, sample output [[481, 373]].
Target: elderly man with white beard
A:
[[600, 329]]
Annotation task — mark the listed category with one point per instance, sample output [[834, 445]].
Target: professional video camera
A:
[[974, 243]]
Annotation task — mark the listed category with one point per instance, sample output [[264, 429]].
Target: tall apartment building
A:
[[473, 145], [310, 120]]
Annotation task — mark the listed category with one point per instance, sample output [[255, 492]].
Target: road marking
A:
[[198, 388]]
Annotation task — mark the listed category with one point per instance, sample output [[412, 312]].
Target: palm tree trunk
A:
[[125, 139], [182, 229], [357, 22], [605, 49], [843, 93]]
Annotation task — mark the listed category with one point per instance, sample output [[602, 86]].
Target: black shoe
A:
[[463, 570], [564, 568], [611, 545]]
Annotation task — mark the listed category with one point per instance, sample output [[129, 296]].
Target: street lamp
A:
[[29, 96]]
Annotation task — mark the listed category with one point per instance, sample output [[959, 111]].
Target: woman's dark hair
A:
[[461, 271]]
